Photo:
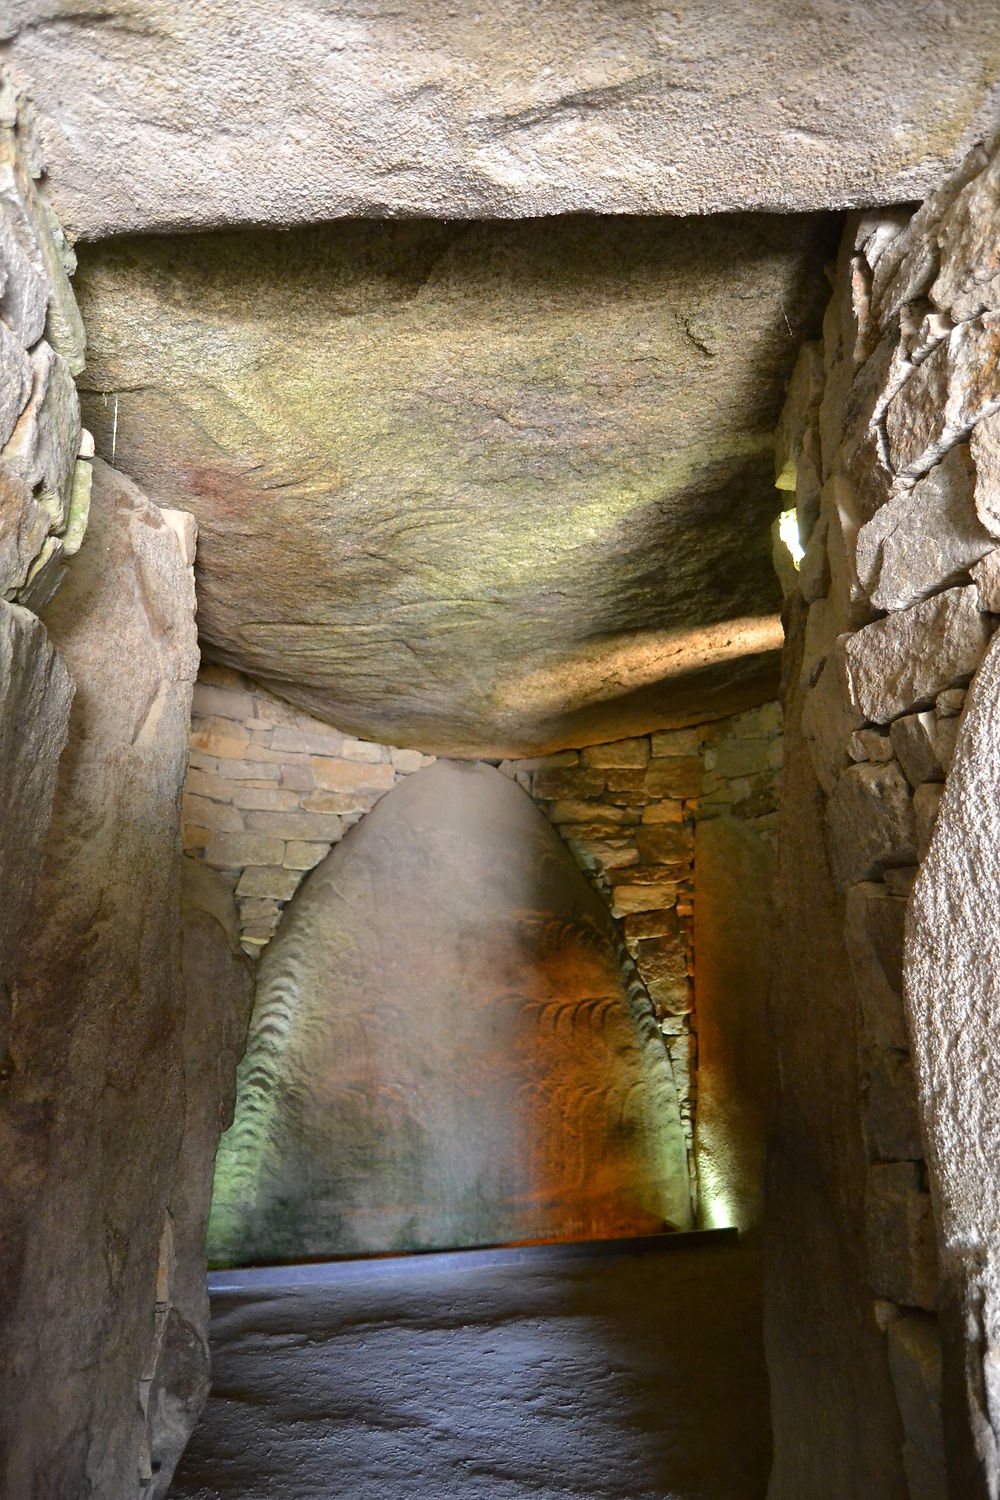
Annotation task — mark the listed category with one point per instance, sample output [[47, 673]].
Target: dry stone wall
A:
[[269, 791], [892, 437]]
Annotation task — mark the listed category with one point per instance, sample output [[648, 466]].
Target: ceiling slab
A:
[[483, 489], [182, 114]]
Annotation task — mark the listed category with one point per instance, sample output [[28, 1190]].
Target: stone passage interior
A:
[[498, 678], [444, 1050]]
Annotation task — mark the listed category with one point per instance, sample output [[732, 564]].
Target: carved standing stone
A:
[[443, 1048]]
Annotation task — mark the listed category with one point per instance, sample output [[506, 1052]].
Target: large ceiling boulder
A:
[[483, 489], [444, 1050], [166, 114]]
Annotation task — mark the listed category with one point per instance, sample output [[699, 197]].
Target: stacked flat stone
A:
[[269, 791], [891, 435]]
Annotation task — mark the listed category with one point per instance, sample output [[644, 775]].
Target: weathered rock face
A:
[[92, 1101], [482, 489], [443, 1049], [187, 114], [44, 487], [35, 697]]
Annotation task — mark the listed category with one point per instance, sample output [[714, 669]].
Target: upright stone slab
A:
[[218, 992], [827, 1366], [952, 994], [35, 697], [92, 1103], [443, 1049]]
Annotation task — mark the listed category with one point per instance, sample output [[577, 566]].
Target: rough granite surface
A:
[[191, 114]]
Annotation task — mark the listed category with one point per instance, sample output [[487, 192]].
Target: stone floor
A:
[[617, 1373]]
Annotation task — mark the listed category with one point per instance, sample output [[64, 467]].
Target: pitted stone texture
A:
[[438, 502], [15, 381], [196, 117], [909, 263], [870, 744], [915, 741], [986, 577], [36, 298], [35, 697], [984, 446], [955, 387], [830, 714], [23, 289], [968, 281], [951, 984], [93, 1097], [926, 803], [43, 447], [443, 1050]]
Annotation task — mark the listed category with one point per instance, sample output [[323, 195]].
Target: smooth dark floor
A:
[[618, 1374]]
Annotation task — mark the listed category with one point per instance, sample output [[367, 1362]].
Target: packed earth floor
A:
[[630, 1372]]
